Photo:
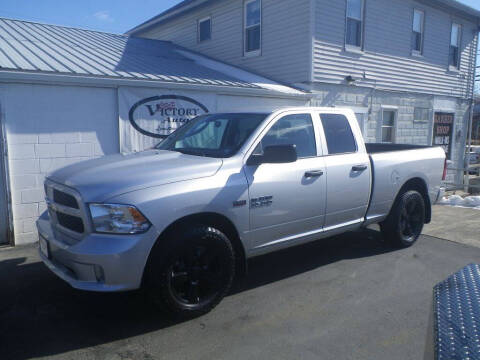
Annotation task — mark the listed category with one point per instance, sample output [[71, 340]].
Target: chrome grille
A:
[[66, 210]]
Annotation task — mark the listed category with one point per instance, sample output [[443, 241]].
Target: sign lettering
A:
[[443, 132]]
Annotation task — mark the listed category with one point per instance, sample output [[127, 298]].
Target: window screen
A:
[[338, 133], [292, 130]]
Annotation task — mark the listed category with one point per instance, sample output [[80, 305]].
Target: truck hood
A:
[[112, 175]]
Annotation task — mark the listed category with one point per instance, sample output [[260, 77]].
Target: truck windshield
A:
[[215, 135]]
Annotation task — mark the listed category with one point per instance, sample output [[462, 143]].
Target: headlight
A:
[[118, 219]]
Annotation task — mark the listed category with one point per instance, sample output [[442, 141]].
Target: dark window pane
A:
[[338, 133], [293, 130], [252, 39], [416, 41], [354, 32], [387, 134], [453, 57], [388, 118], [205, 30]]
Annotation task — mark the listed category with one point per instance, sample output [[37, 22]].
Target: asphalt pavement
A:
[[348, 297]]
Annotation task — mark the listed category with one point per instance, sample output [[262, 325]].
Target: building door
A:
[[4, 233]]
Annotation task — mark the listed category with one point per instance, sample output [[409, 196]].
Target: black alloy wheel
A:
[[411, 218], [404, 224], [191, 271], [197, 275]]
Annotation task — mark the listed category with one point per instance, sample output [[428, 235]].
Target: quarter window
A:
[[338, 134], [292, 130], [417, 31], [354, 22], [253, 26], [204, 29], [388, 126], [454, 56]]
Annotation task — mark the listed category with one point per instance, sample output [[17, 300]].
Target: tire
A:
[[191, 271], [405, 222]]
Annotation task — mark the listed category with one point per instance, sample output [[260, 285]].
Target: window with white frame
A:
[[454, 55], [417, 31], [354, 23], [253, 27], [204, 29], [388, 125]]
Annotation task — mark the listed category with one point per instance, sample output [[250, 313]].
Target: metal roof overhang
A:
[[108, 82]]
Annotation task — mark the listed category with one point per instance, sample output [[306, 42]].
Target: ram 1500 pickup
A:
[[181, 219]]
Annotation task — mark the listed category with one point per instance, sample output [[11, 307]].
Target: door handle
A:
[[359, 167], [313, 173]]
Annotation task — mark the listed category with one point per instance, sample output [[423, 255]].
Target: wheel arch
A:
[[218, 221], [418, 184]]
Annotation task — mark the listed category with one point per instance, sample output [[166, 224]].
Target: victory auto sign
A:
[[159, 116]]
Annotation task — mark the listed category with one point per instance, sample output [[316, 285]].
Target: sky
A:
[[116, 16]]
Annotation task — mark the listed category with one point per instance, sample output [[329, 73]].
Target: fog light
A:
[[99, 274]]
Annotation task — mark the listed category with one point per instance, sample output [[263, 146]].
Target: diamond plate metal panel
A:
[[457, 315]]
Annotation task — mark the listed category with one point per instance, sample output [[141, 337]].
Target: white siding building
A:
[[406, 67]]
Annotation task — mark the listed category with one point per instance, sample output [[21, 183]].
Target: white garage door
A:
[[49, 127]]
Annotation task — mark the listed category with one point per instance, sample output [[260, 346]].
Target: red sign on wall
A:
[[443, 132]]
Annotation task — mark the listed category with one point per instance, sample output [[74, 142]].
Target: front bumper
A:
[[98, 262]]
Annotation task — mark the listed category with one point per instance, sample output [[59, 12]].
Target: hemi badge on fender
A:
[[239, 203]]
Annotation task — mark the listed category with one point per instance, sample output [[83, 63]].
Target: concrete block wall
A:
[[407, 130], [49, 127]]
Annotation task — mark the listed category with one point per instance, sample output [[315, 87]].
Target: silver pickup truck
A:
[[181, 220]]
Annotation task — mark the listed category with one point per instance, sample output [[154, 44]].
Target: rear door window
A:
[[338, 133]]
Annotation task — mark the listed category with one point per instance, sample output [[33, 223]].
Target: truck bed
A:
[[392, 165]]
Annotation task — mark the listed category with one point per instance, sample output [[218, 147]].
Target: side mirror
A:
[[275, 154]]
